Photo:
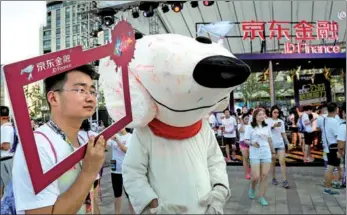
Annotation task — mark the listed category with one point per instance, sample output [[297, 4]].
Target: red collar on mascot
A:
[[174, 133]]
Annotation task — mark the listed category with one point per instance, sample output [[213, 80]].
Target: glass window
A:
[[57, 32], [57, 13], [68, 42], [67, 21], [67, 30], [67, 12], [58, 23], [75, 29], [106, 35], [47, 44], [47, 35]]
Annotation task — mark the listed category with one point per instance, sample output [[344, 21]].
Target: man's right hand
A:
[[95, 156]]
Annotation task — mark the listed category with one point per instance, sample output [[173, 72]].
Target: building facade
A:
[[67, 26]]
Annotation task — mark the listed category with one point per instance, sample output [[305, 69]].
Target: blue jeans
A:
[[260, 161]]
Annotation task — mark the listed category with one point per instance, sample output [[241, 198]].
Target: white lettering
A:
[[290, 48]]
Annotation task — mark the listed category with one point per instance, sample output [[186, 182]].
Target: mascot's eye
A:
[[205, 40], [138, 35]]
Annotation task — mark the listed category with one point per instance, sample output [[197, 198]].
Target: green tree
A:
[[35, 100], [101, 100], [251, 88]]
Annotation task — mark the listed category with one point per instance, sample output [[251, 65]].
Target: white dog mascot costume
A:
[[174, 158]]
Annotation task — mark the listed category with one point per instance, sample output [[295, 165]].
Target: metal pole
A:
[[272, 85]]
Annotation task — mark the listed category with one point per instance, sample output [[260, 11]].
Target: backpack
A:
[[301, 126], [8, 204], [15, 139]]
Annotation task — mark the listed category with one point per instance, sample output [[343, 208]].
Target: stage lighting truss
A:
[[208, 3], [194, 4], [177, 6], [148, 8]]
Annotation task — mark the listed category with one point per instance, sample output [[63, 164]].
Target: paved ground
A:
[[304, 197]]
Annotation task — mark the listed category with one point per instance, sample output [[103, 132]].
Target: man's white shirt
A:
[[25, 197], [7, 136], [230, 125]]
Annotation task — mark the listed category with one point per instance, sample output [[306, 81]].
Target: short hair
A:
[[332, 107], [226, 110], [57, 82], [4, 111]]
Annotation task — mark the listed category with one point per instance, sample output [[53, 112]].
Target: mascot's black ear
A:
[[138, 35]]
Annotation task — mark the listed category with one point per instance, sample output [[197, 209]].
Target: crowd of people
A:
[[264, 135], [260, 134]]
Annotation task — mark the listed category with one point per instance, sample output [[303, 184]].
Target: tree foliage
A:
[[35, 100]]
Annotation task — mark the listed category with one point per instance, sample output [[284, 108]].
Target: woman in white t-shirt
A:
[[279, 140], [258, 137], [119, 145], [243, 146]]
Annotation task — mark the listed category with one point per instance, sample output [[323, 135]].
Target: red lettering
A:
[[276, 29], [304, 31], [253, 28], [327, 30]]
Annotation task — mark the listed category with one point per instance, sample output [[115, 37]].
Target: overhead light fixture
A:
[[148, 13], [208, 3], [165, 8], [148, 8], [107, 16], [177, 7], [135, 13], [108, 21], [194, 4]]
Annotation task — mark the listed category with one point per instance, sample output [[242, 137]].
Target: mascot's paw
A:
[[215, 200], [167, 209]]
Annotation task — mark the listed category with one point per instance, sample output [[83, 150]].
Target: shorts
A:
[[6, 171], [333, 160], [309, 137], [117, 184], [294, 129], [280, 149], [260, 161], [229, 140], [243, 145]]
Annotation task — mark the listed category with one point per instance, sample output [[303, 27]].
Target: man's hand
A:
[[215, 200], [95, 156]]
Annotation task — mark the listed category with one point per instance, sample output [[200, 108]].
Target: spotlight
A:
[[208, 3], [165, 8], [108, 21], [148, 13], [148, 8], [194, 4], [135, 14], [177, 7], [107, 16]]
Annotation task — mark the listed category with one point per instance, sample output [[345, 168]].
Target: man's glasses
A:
[[80, 91]]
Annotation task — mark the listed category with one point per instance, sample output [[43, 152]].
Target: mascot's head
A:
[[173, 78]]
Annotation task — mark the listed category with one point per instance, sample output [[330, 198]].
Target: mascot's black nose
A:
[[221, 72]]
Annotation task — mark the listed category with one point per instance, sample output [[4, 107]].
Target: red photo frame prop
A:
[[17, 75]]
